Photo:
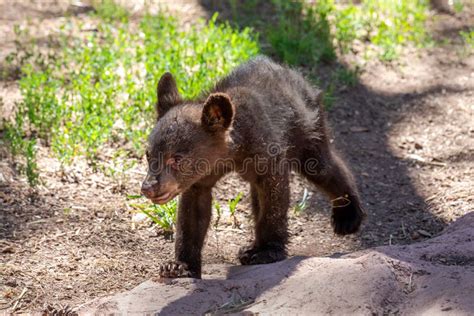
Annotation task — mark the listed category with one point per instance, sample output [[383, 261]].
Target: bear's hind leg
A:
[[323, 167]]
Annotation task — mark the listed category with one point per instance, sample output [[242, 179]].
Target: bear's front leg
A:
[[270, 202], [194, 215]]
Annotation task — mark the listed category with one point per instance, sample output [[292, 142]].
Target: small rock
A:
[[416, 157], [139, 217], [418, 146]]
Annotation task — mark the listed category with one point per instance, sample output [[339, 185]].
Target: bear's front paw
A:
[[346, 216], [175, 270], [251, 255]]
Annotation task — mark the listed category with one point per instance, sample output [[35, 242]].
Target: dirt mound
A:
[[429, 277]]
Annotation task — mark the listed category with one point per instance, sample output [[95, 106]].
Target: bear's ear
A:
[[217, 113], [167, 93]]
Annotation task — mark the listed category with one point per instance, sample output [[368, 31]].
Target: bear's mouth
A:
[[164, 198]]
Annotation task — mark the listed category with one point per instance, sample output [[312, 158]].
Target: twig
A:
[[235, 230], [19, 298], [420, 159]]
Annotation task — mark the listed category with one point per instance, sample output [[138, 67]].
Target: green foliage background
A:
[[94, 89], [100, 90]]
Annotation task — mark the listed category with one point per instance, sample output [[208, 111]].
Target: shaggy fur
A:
[[253, 122]]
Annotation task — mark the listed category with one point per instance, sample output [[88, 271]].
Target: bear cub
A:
[[262, 121]]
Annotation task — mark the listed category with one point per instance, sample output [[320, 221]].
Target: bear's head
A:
[[188, 140]]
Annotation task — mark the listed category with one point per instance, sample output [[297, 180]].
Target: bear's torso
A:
[[276, 111]]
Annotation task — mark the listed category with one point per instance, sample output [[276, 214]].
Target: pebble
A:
[[139, 217]]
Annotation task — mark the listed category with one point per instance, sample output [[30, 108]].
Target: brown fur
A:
[[259, 116]]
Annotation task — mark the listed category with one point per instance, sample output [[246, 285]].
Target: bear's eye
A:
[[173, 162], [177, 158]]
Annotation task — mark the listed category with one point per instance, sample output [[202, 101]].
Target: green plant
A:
[[218, 209], [458, 6], [97, 90], [233, 203], [307, 32], [302, 33], [31, 166], [390, 25], [162, 215], [110, 11], [468, 39], [346, 76], [233, 207], [328, 97], [301, 205]]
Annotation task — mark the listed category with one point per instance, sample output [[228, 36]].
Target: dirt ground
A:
[[406, 129]]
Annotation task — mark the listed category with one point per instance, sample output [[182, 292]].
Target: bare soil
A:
[[406, 130]]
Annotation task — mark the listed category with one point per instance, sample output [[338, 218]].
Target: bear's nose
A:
[[149, 189]]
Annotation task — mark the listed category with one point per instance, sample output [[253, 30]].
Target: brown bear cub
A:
[[261, 121]]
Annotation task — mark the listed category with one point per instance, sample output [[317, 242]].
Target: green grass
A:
[[302, 204], [164, 216], [233, 207], [109, 11], [304, 34], [390, 25], [94, 88], [97, 91], [345, 76], [458, 6], [468, 39], [218, 209]]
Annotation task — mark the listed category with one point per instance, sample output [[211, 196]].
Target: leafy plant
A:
[[94, 87], [31, 166], [233, 203], [109, 10], [233, 207], [162, 215], [346, 76], [458, 6], [305, 33], [468, 39], [328, 97], [97, 90], [302, 34], [218, 209], [302, 204]]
